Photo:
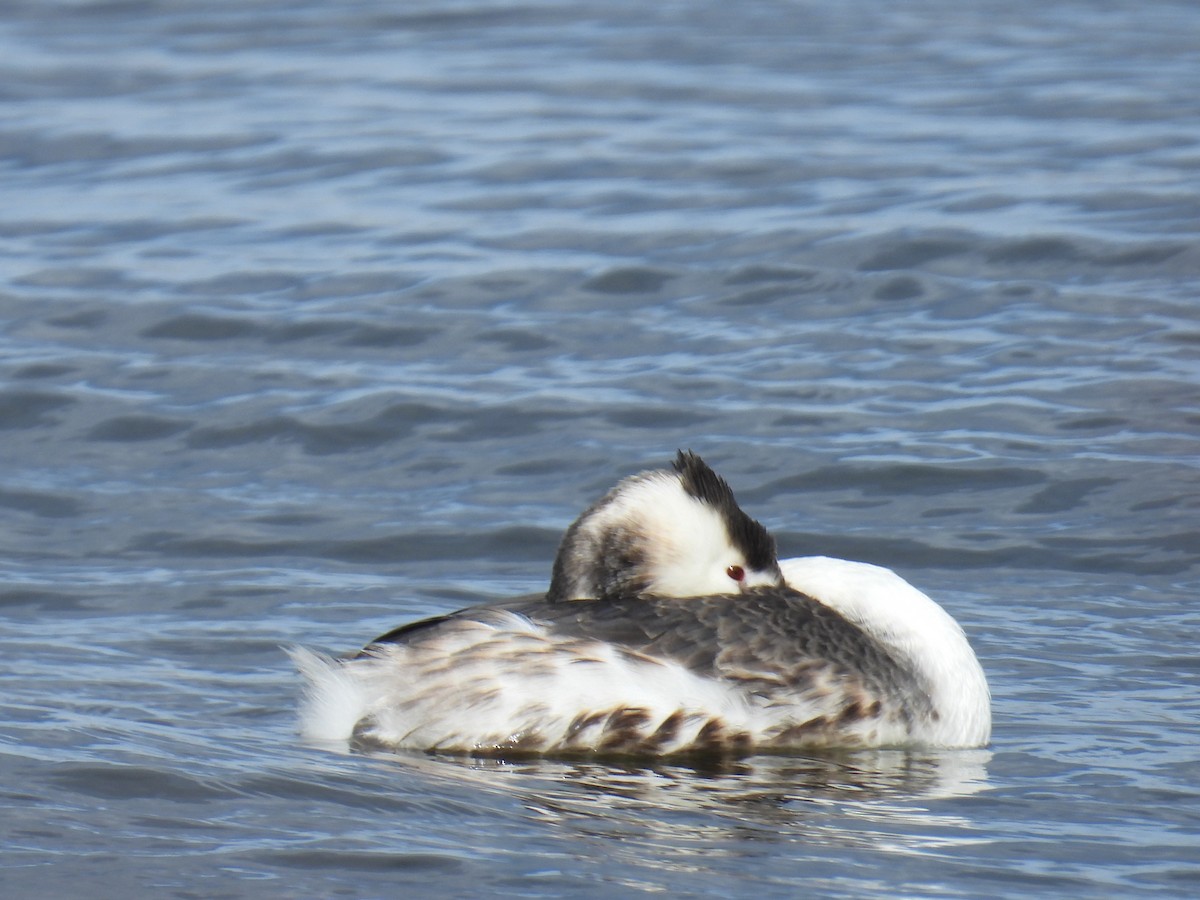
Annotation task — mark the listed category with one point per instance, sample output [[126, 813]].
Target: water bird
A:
[[669, 628]]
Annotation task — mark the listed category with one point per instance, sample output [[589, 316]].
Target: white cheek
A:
[[759, 579], [689, 550], [693, 581]]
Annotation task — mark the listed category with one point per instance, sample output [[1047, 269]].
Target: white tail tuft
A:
[[334, 701]]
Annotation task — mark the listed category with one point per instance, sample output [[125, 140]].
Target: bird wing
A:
[[769, 639]]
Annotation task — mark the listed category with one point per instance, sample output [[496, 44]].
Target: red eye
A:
[[737, 573]]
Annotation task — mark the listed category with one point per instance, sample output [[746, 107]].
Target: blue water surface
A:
[[316, 318]]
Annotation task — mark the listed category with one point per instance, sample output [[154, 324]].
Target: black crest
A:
[[707, 486]]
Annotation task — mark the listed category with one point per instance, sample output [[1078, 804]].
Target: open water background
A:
[[319, 317]]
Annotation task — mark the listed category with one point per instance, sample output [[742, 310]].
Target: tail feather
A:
[[334, 701]]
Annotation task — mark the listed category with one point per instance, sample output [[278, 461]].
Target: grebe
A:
[[669, 628]]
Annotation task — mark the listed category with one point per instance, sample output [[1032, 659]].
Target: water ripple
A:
[[319, 318]]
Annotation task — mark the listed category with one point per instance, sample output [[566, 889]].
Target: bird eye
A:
[[737, 573]]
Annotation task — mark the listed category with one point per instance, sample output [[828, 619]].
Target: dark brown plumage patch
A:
[[711, 736], [851, 712], [624, 729], [667, 730], [716, 739], [583, 722]]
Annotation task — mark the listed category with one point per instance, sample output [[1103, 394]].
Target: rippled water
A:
[[316, 318]]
